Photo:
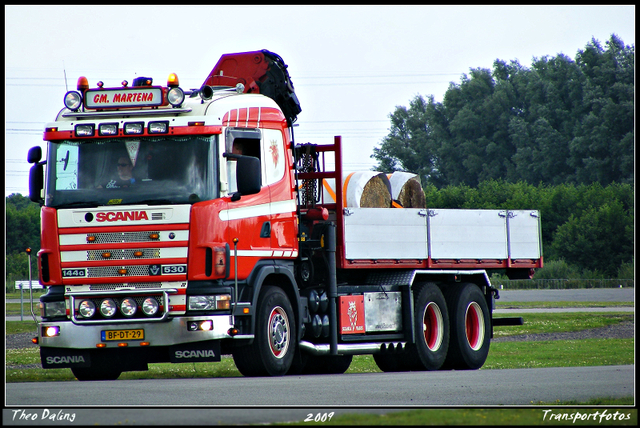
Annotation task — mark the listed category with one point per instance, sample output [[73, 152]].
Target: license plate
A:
[[137, 334]]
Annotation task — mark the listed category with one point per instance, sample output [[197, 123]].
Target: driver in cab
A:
[[125, 174]]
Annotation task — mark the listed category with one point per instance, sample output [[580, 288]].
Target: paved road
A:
[[290, 398]]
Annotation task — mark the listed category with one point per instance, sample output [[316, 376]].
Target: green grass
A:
[[535, 323], [502, 355], [560, 353], [560, 304]]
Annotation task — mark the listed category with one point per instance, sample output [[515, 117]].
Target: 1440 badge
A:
[[167, 269]]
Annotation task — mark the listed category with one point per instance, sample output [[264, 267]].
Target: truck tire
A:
[[470, 327], [431, 326], [273, 347], [102, 368], [431, 322]]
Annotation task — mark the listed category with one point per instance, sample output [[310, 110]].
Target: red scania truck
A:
[[183, 225]]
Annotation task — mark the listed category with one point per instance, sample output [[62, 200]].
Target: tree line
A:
[[559, 121], [22, 222]]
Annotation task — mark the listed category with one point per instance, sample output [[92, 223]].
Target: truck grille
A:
[[110, 271], [133, 285], [119, 237], [129, 254]]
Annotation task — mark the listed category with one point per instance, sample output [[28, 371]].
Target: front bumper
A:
[[166, 333]]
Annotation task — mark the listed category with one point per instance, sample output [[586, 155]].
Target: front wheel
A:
[[273, 347], [470, 327], [103, 367]]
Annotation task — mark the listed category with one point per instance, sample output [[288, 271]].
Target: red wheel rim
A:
[[474, 324], [278, 332], [432, 326]]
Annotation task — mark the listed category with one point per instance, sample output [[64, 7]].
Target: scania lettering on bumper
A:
[[196, 352], [64, 358]]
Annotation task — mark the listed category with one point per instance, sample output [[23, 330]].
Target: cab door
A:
[[248, 216], [277, 161]]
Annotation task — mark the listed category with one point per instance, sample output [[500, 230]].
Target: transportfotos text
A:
[[597, 416]]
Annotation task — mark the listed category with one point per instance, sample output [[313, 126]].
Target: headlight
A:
[[55, 309], [209, 303], [150, 306], [87, 308], [128, 307], [175, 96], [108, 308], [158, 127], [133, 128], [72, 100], [108, 129], [85, 130]]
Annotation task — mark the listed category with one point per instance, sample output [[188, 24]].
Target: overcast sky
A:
[[350, 65]]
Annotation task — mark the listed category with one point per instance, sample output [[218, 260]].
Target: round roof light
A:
[[175, 96], [72, 100]]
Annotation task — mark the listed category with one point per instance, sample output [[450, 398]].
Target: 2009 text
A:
[[319, 417]]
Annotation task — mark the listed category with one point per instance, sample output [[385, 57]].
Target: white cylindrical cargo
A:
[[362, 189], [407, 189]]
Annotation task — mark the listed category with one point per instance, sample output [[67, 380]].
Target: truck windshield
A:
[[149, 170]]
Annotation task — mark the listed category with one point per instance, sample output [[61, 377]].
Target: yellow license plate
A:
[[134, 334]]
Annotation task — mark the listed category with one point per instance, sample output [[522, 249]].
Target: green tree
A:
[[560, 121], [22, 222], [602, 149], [601, 239]]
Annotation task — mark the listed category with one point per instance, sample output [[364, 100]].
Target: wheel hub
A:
[[278, 332]]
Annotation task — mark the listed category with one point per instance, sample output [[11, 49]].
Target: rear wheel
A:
[[470, 327], [431, 323], [432, 327], [272, 350]]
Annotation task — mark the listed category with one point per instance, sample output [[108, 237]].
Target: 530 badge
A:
[[167, 269]]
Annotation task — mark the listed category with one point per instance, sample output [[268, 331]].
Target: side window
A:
[[67, 168], [241, 142], [273, 153]]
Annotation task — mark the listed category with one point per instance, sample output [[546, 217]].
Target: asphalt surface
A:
[[243, 400]]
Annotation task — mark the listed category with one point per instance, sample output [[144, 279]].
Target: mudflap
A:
[[60, 358], [196, 352]]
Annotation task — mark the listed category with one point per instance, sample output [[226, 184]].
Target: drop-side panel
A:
[[524, 234], [381, 233], [468, 234]]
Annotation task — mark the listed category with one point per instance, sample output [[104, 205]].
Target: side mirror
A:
[[36, 174], [248, 175], [34, 155], [36, 182]]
